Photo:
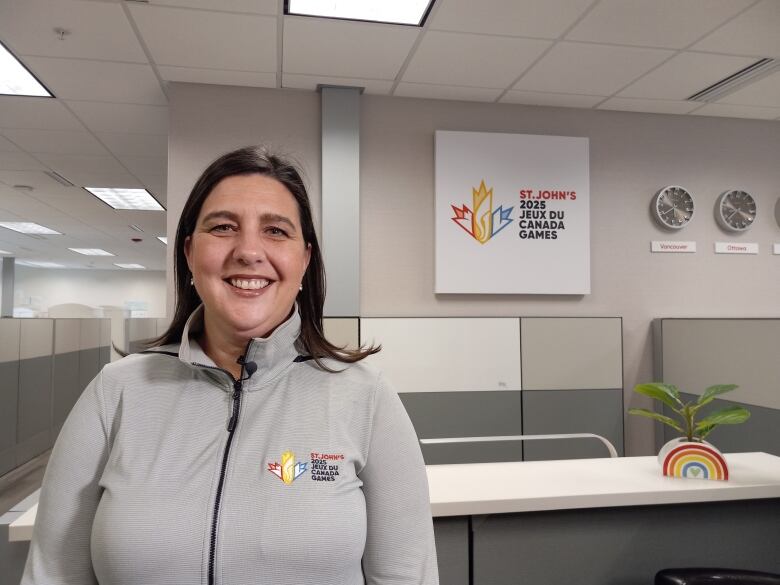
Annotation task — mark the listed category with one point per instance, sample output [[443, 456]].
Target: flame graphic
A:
[[288, 471], [483, 222]]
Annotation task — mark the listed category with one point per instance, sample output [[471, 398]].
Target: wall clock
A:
[[673, 207], [735, 210]]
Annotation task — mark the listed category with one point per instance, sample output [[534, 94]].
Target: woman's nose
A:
[[249, 247]]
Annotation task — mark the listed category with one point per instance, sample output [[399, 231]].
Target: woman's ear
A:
[[187, 251]]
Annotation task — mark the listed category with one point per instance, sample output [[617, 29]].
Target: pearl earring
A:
[[300, 287], [192, 281]]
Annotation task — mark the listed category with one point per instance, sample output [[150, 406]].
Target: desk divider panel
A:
[[66, 383], [9, 392], [105, 342], [695, 353], [89, 351], [342, 331], [33, 434], [138, 331]]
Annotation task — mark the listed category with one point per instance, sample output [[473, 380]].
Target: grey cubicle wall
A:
[[460, 377], [572, 383], [44, 366], [695, 353], [140, 330]]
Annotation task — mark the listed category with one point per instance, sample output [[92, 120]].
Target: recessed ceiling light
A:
[[15, 79], [37, 264], [396, 12], [26, 227], [136, 199], [90, 251], [163, 239], [131, 266]]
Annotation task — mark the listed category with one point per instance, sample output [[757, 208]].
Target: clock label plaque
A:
[[736, 248], [672, 247]]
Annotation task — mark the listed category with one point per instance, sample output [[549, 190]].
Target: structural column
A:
[[341, 199], [7, 294]]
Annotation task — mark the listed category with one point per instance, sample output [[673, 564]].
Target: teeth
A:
[[249, 284]]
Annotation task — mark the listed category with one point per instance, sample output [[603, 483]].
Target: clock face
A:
[[736, 210], [673, 207]]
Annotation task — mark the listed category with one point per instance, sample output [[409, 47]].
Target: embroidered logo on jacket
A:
[[288, 470]]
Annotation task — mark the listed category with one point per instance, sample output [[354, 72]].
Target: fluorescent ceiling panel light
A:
[[4, 252], [15, 79], [135, 199], [394, 12], [163, 239], [37, 264], [26, 227], [90, 251], [130, 266]]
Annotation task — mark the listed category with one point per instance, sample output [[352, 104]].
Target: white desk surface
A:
[[533, 486]]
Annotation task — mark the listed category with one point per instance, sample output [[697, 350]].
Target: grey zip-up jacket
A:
[[319, 482]]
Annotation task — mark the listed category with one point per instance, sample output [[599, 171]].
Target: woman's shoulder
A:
[[140, 365]]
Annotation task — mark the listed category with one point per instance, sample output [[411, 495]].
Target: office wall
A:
[[49, 287], [632, 156]]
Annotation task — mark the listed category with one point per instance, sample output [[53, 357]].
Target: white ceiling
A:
[[109, 122]]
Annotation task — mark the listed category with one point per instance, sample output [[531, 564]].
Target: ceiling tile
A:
[[559, 100], [684, 75], [218, 76], [589, 69], [755, 32], [36, 179], [146, 165], [447, 92], [34, 112], [54, 141], [251, 6], [345, 49], [79, 168], [196, 38], [95, 30], [521, 18], [735, 111], [763, 92], [19, 161], [135, 144], [108, 117], [472, 60], [7, 146], [648, 106], [72, 79], [310, 82], [656, 23]]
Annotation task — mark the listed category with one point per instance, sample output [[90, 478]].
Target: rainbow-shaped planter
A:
[[693, 461]]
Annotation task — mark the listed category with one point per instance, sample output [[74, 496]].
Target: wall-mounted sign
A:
[[672, 247], [735, 248], [776, 248], [512, 214]]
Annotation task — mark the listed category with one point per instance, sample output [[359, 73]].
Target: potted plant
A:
[[690, 455]]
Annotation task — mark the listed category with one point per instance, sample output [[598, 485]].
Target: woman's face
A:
[[247, 255]]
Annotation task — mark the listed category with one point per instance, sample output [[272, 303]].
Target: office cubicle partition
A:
[[476, 377], [695, 353], [44, 366]]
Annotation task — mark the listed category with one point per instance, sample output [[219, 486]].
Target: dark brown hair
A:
[[246, 161]]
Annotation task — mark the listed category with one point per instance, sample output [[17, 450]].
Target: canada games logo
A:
[[482, 222], [288, 470]]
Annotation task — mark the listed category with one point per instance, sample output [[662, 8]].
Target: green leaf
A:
[[656, 416], [702, 432], [731, 415], [713, 391], [665, 393]]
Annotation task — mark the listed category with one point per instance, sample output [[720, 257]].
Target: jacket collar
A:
[[272, 354]]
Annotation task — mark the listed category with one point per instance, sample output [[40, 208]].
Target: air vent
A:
[[738, 80], [58, 177], [135, 227]]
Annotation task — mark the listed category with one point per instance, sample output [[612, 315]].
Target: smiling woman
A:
[[242, 447]]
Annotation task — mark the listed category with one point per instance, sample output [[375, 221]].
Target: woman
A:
[[243, 448]]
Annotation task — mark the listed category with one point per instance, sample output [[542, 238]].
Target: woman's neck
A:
[[224, 350]]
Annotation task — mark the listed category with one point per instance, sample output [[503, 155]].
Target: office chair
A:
[[709, 576]]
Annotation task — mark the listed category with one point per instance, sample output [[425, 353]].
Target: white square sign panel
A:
[[512, 214]]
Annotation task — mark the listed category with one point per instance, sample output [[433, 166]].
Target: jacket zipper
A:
[[231, 427]]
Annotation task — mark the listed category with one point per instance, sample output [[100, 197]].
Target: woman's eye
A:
[[276, 231], [222, 228]]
